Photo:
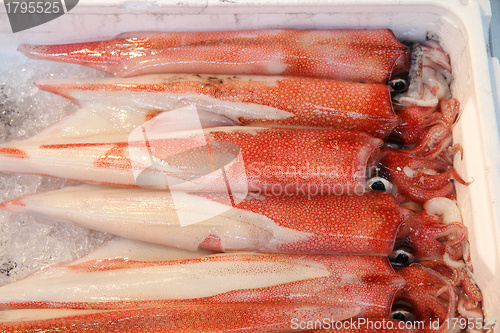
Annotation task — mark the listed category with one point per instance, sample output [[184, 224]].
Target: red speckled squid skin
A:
[[276, 160], [365, 225], [344, 286], [355, 289], [351, 55], [304, 101], [409, 172], [200, 318], [281, 161], [369, 224]]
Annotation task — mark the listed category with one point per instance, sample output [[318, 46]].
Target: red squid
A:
[[370, 224], [243, 158], [256, 159], [352, 55], [244, 292], [243, 100]]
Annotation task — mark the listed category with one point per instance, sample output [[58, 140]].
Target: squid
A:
[[243, 100], [420, 125], [350, 55], [243, 159], [420, 88], [371, 224], [207, 160], [252, 292], [418, 178], [244, 163], [425, 111], [323, 280]]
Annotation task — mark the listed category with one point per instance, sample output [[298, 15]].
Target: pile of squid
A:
[[314, 165]]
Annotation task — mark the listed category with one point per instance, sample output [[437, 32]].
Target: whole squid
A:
[[425, 113], [351, 55], [370, 224], [242, 100], [258, 159], [233, 292], [246, 158]]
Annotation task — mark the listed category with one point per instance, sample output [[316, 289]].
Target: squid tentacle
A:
[[429, 174], [428, 102], [417, 178], [435, 141], [437, 299]]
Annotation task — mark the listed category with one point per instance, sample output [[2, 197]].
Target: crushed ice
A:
[[28, 244]]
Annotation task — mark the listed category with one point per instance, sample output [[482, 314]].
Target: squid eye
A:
[[398, 85], [393, 145], [403, 315], [401, 258], [402, 310], [379, 184]]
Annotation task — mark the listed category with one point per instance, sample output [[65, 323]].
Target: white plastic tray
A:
[[458, 23]]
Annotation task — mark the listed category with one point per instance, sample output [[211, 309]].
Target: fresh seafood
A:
[[183, 318], [418, 178], [284, 289], [368, 326], [426, 126], [371, 224], [416, 306], [423, 123], [351, 55], [290, 181], [216, 279], [244, 100], [337, 164], [300, 161]]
